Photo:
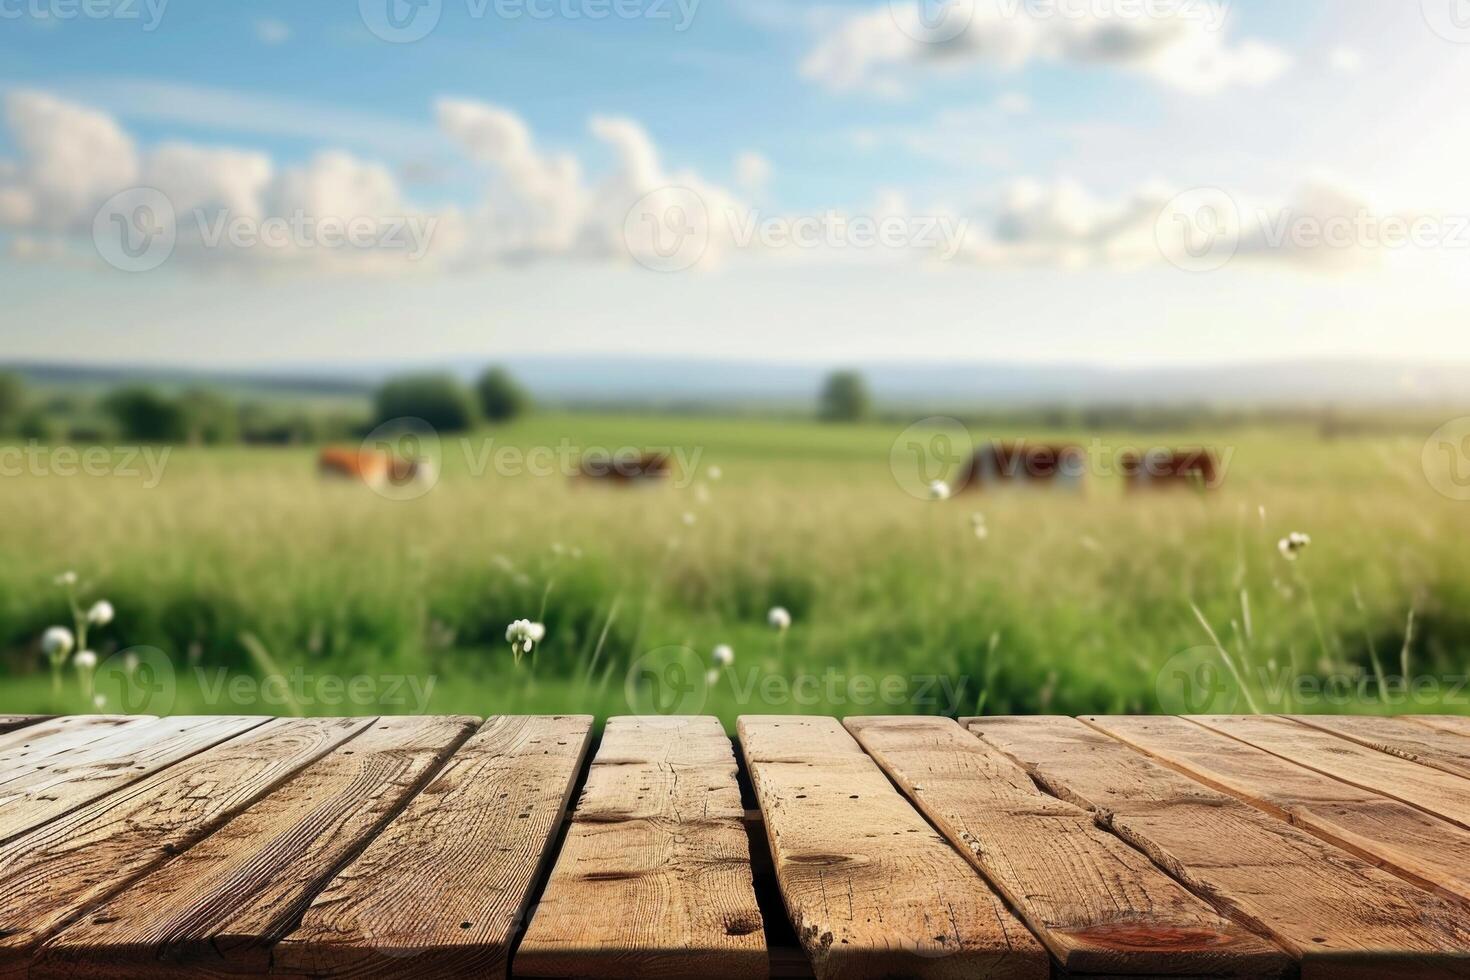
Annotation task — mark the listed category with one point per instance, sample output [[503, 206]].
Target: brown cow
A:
[[373, 468], [626, 469], [1019, 464], [1163, 469]]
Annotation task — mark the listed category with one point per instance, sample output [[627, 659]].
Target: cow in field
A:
[[369, 467], [633, 469], [1021, 464], [1163, 469]]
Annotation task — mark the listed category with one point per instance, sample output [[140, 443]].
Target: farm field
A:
[[245, 583]]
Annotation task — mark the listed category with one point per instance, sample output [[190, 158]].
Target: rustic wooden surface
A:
[[1000, 847], [654, 879]]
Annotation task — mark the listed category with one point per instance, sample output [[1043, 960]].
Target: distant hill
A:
[[653, 383]]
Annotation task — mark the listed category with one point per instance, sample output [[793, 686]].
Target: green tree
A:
[[437, 399], [146, 416], [501, 398], [844, 397], [210, 419], [12, 400]]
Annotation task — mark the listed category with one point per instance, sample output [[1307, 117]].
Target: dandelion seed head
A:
[[101, 613], [57, 642], [779, 619]]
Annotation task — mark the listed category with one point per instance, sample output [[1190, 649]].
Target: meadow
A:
[[243, 582]]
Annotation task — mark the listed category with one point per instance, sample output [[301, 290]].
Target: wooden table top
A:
[[880, 847]]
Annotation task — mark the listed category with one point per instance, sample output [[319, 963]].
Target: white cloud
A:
[[752, 174], [1184, 46], [272, 31], [1348, 61], [71, 158]]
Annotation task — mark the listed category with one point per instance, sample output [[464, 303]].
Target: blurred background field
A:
[[244, 562]]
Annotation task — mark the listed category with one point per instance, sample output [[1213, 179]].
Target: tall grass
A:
[[1071, 604]]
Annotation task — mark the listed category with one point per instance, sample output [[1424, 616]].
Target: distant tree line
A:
[[207, 417]]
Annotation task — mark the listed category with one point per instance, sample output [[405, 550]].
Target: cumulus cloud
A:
[[1183, 44]]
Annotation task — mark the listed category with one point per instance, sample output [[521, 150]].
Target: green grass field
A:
[[265, 589]]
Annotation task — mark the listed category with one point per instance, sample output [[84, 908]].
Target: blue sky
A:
[[1051, 150]]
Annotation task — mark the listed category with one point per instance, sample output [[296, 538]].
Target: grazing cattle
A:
[[1020, 464], [1163, 469], [373, 468], [627, 469]]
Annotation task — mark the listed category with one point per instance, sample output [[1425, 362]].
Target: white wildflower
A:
[[711, 678], [977, 522], [67, 579], [101, 613], [939, 490], [724, 655], [779, 619], [714, 472], [1293, 545], [523, 635], [85, 660], [57, 642], [99, 701]]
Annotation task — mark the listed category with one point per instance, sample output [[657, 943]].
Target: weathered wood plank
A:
[[654, 878], [1431, 790], [218, 907], [54, 873], [90, 772], [23, 750], [1411, 843], [443, 890], [872, 890], [1098, 905], [1456, 724], [1405, 739], [1341, 916], [9, 723]]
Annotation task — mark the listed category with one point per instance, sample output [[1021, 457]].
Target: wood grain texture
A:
[[1455, 724], [1405, 739], [1393, 835], [654, 878], [56, 872], [443, 890], [25, 749], [1097, 904], [872, 889], [217, 908], [1431, 790], [9, 723], [1341, 916], [89, 772]]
